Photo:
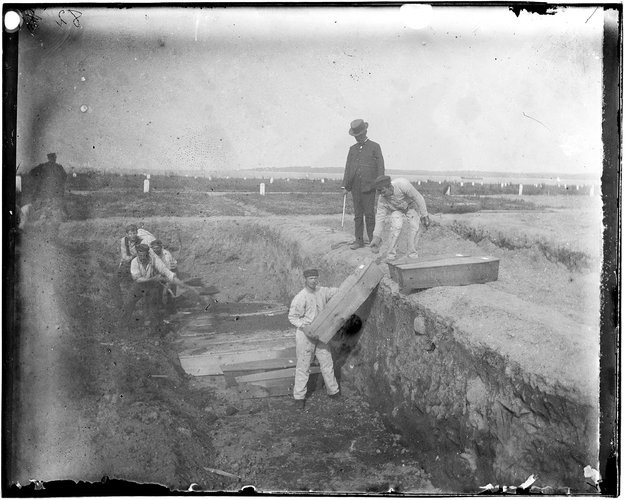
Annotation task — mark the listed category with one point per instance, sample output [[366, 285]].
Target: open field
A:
[[124, 402]]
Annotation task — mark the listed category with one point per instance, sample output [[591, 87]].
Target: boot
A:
[[357, 244]]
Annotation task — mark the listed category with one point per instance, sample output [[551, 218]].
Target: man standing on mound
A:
[[364, 164], [305, 307]]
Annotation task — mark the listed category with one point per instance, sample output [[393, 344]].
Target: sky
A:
[[217, 89]]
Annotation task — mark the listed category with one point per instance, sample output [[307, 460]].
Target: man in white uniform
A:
[[304, 308], [400, 200]]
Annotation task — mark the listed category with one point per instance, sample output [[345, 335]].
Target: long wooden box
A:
[[351, 294], [210, 363], [448, 271]]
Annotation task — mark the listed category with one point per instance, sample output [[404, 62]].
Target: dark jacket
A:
[[364, 164], [50, 180]]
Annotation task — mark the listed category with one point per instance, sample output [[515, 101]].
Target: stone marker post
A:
[[520, 189], [262, 189]]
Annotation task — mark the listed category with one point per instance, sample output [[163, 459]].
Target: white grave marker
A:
[[262, 189], [146, 186]]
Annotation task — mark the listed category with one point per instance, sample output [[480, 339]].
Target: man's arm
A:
[[173, 264], [379, 160], [162, 269], [125, 256], [297, 311], [347, 181], [380, 214], [135, 272]]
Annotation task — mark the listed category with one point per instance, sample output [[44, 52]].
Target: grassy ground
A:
[[176, 203]]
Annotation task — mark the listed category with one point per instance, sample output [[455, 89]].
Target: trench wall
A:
[[460, 374], [475, 412]]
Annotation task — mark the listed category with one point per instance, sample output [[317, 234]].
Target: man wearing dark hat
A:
[[364, 164], [49, 188], [50, 179], [148, 272], [305, 306], [400, 200]]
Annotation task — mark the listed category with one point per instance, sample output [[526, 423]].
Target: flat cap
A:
[[382, 181], [311, 272]]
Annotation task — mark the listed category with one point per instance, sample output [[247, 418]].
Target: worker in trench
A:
[[149, 275], [169, 289], [128, 247], [398, 201], [306, 305]]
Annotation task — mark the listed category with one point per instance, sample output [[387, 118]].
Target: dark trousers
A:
[[364, 206], [152, 292]]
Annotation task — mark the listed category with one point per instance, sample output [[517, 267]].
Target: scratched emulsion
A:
[[493, 385]]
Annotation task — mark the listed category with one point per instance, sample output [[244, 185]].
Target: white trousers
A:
[[397, 222], [305, 349]]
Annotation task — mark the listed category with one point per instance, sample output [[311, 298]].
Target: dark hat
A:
[[131, 227], [311, 272], [358, 127], [51, 155], [382, 181], [142, 247], [156, 243]]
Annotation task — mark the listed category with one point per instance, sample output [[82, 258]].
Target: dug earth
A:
[[444, 390]]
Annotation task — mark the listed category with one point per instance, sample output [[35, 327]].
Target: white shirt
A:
[[404, 198], [307, 304], [154, 266]]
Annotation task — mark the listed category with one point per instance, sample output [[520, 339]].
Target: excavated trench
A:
[[477, 414], [459, 373]]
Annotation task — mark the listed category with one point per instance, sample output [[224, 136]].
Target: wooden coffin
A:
[[351, 294], [210, 363], [448, 271]]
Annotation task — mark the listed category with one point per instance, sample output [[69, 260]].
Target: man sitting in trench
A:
[[171, 264], [400, 200], [305, 306], [134, 236], [149, 275]]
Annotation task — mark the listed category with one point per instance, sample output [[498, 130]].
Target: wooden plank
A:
[[210, 364], [449, 271], [217, 343], [266, 377], [260, 365], [277, 387], [232, 371], [351, 294]]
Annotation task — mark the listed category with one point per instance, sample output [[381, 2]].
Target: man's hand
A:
[[425, 220], [307, 331], [375, 244]]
